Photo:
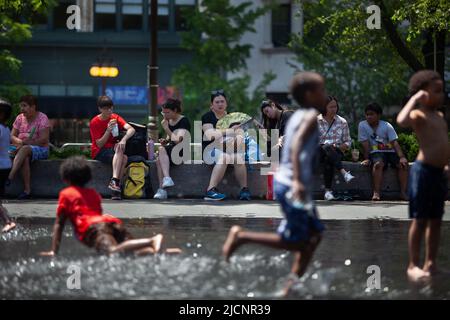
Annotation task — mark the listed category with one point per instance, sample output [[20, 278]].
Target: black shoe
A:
[[23, 196]]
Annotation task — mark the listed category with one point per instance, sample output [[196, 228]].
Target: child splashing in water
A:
[[300, 231], [82, 206], [5, 161], [427, 180]]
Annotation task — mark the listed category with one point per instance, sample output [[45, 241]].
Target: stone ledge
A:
[[191, 181]]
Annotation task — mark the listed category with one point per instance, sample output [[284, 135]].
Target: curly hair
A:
[[422, 79], [76, 171]]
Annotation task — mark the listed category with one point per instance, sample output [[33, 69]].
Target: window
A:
[[132, 14], [281, 25], [52, 90], [60, 14], [105, 15], [163, 14], [80, 91], [180, 7]]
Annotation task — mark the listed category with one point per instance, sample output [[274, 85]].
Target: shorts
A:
[[427, 190], [105, 155], [104, 235], [297, 225], [388, 158], [4, 173], [37, 152], [169, 148]]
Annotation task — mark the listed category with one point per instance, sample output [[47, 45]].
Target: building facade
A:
[[56, 61]]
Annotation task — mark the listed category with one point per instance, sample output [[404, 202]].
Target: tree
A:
[[363, 64], [213, 35], [16, 17]]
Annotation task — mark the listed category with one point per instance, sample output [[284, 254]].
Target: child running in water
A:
[[427, 179], [82, 206], [300, 231], [5, 161]]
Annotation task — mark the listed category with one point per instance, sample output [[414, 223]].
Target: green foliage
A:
[[213, 39], [409, 145], [362, 65], [68, 152], [16, 17], [12, 93]]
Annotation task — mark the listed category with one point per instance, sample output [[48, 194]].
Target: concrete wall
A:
[[191, 181]]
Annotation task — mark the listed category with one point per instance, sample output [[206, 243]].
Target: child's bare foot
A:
[[8, 227], [416, 274], [376, 196], [231, 243], [173, 251], [157, 240]]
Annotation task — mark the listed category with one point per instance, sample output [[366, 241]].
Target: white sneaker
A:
[[348, 177], [160, 194], [329, 196], [167, 182]]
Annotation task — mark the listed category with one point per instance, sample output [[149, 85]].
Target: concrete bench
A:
[[191, 181]]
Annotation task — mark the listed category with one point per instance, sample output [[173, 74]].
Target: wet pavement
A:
[[339, 268]]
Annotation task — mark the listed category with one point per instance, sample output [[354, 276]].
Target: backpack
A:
[[137, 183], [137, 144]]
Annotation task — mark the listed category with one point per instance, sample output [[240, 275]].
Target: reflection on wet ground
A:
[[338, 270]]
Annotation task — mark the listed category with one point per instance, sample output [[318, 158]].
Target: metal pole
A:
[[103, 86], [153, 72]]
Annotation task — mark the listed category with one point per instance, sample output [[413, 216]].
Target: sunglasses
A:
[[265, 103], [217, 92]]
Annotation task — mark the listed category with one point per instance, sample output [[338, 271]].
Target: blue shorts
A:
[[39, 153], [427, 191], [297, 224], [105, 155]]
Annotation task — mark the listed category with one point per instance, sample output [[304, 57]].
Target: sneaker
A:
[[167, 182], [245, 194], [116, 195], [348, 177], [214, 195], [160, 194], [329, 196], [114, 185], [23, 196]]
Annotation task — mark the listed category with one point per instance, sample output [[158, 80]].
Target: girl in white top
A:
[[5, 161]]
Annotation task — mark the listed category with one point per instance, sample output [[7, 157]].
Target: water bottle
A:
[[115, 130], [151, 149]]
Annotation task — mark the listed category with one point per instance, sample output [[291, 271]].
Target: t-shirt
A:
[[211, 118], [379, 139], [5, 138], [98, 128], [82, 206], [307, 155], [282, 122], [31, 129], [183, 123]]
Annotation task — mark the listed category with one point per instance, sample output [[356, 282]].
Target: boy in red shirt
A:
[[82, 206], [106, 146]]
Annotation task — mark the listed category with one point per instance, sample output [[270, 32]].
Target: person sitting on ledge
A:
[[334, 141], [218, 157], [381, 149], [29, 138], [106, 146], [175, 126]]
